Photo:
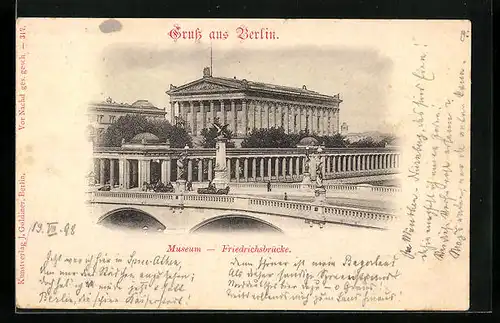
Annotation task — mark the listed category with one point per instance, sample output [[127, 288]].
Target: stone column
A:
[[147, 170], [213, 110], [102, 167], [283, 167], [245, 169], [290, 167], [272, 115], [269, 173], [276, 168], [223, 120], [134, 164], [200, 170], [328, 165], [237, 170], [172, 111], [193, 118], [164, 169], [326, 121], [323, 165], [286, 118], [311, 120], [251, 115], [234, 120], [344, 163], [121, 173], [262, 169], [301, 123], [297, 166], [202, 117], [244, 120], [257, 115], [228, 165], [112, 173], [210, 169], [254, 169], [265, 118], [190, 170], [140, 174], [314, 112]]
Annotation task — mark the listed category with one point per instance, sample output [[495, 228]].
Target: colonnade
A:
[[130, 172], [245, 115]]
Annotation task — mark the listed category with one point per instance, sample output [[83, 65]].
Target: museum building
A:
[[246, 105]]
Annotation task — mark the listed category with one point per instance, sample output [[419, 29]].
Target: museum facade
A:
[[246, 105]]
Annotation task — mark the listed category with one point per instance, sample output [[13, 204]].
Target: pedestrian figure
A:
[[269, 186], [286, 197]]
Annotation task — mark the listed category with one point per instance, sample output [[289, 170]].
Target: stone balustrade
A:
[[130, 169], [300, 210]]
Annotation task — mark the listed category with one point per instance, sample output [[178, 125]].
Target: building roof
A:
[[308, 141], [215, 84], [143, 104], [145, 137], [139, 104]]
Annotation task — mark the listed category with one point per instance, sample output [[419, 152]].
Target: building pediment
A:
[[202, 86]]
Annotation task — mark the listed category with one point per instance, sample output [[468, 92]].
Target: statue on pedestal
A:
[[319, 173], [220, 176], [181, 171]]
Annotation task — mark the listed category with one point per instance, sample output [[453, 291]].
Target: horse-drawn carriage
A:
[[159, 187], [212, 190], [105, 187]]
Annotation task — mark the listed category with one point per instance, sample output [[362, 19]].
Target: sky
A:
[[362, 76]]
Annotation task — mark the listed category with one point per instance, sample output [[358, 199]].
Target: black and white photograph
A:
[[242, 164]]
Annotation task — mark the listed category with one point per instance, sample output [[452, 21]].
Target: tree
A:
[[277, 138], [335, 141], [269, 138], [210, 135], [126, 127], [367, 142], [179, 137]]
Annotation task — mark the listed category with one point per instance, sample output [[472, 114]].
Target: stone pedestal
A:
[[306, 181], [181, 186], [220, 177], [320, 194]]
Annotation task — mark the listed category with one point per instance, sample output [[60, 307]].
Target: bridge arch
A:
[[235, 222], [131, 218]]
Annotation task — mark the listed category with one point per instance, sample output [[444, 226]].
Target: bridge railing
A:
[[302, 210], [298, 186]]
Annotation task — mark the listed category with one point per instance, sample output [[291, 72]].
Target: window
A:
[[112, 119], [99, 118]]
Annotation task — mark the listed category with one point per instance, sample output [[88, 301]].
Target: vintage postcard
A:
[[177, 164]]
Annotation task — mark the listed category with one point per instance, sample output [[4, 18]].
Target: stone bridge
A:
[[182, 213]]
